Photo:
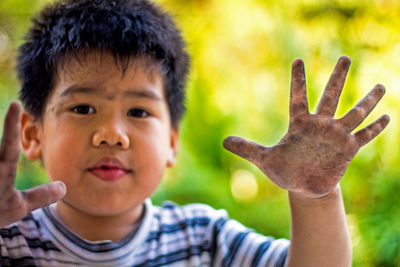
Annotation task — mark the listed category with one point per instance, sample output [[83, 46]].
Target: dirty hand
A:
[[15, 204], [314, 154]]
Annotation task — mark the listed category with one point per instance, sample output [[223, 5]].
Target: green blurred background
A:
[[239, 85]]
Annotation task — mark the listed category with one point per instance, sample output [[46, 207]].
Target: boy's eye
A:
[[83, 109], [138, 113]]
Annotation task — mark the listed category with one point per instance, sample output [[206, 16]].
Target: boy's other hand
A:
[[15, 204], [314, 154]]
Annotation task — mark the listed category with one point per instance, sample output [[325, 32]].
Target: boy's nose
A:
[[111, 134]]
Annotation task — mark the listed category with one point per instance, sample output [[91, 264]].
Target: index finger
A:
[[298, 91], [9, 149]]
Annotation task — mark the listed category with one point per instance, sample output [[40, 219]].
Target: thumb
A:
[[246, 149], [44, 195]]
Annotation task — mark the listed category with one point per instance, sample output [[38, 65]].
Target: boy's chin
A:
[[105, 208]]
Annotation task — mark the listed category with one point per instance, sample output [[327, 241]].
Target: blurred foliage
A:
[[239, 85]]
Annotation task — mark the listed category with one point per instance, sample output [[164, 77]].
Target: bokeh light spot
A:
[[244, 186]]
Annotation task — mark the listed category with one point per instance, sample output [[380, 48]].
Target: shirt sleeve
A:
[[232, 244]]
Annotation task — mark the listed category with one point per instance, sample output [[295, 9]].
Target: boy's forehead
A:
[[88, 65], [108, 76]]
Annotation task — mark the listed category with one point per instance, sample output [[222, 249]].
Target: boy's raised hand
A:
[[15, 204], [314, 154]]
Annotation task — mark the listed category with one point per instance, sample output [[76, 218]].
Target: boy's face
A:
[[106, 135]]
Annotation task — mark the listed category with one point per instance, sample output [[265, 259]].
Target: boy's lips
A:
[[109, 169]]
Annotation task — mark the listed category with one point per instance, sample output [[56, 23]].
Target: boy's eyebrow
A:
[[141, 93]]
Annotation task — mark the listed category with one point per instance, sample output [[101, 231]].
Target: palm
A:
[[314, 154], [317, 150]]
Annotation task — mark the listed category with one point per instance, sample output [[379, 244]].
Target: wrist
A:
[[306, 199]]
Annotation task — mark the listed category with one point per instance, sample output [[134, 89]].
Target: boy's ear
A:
[[173, 148], [30, 136]]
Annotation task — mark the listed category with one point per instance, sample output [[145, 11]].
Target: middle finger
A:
[[329, 101]]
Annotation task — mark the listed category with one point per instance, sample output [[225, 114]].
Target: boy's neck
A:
[[99, 228]]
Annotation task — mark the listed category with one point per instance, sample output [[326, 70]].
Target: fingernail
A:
[[297, 61], [380, 88], [229, 140], [386, 117], [345, 59], [61, 187]]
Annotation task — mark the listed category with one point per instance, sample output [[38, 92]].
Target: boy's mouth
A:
[[109, 170]]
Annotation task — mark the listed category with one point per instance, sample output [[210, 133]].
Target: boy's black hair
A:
[[126, 28]]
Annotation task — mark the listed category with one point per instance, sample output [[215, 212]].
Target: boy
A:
[[103, 90]]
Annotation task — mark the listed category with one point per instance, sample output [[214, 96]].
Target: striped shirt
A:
[[170, 235]]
